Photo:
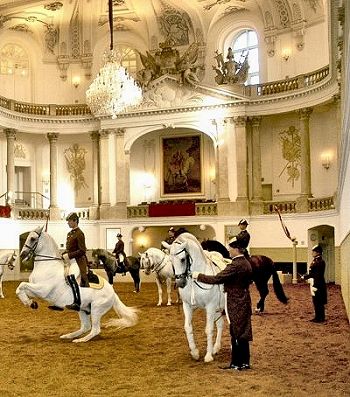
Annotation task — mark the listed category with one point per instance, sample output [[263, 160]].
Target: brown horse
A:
[[263, 268], [132, 265]]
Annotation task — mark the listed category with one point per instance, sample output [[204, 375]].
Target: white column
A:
[[256, 163], [121, 168], [221, 161], [241, 158], [104, 167], [10, 167], [95, 138], [305, 175], [53, 137]]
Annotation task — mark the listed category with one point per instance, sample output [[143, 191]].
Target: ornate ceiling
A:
[[149, 20]]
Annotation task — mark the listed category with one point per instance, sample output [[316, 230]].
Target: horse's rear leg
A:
[[189, 331], [85, 327], [135, 274], [95, 328], [168, 290], [219, 330], [160, 292], [263, 291]]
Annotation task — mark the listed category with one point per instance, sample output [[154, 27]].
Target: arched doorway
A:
[[324, 235]]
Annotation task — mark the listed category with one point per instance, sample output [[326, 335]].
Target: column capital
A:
[[240, 121], [120, 132], [10, 133], [256, 121], [95, 135], [305, 113], [104, 134], [52, 136]]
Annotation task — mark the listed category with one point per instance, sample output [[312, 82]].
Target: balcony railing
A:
[[305, 81]]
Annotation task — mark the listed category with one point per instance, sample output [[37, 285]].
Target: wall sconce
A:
[[326, 160], [286, 52], [76, 81], [142, 229]]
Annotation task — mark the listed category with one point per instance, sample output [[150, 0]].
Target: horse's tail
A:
[[128, 315], [277, 286]]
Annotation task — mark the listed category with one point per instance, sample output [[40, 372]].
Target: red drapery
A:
[[5, 211], [172, 209]]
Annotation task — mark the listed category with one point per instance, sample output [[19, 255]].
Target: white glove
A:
[[195, 275], [313, 289], [66, 259]]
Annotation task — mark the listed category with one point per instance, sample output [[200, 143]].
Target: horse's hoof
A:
[[208, 358], [34, 305], [168, 304], [195, 355]]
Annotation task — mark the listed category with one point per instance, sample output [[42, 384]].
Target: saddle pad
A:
[[217, 259], [99, 285]]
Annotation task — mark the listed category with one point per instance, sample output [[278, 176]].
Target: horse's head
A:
[[181, 261], [9, 259], [146, 262], [32, 244]]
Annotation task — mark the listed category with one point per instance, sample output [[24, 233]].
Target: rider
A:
[[120, 254], [75, 249], [170, 239], [243, 236]]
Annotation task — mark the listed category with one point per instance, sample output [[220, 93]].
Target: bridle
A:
[[155, 267], [9, 262], [187, 273], [32, 250]]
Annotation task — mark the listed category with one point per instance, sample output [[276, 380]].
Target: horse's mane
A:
[[51, 242]]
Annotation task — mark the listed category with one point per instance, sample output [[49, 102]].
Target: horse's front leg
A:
[[168, 290], [85, 326], [160, 292], [189, 330], [209, 330], [25, 290]]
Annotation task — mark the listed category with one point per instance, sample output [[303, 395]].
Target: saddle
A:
[[95, 281], [217, 259]]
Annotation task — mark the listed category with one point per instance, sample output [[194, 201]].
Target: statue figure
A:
[[230, 72]]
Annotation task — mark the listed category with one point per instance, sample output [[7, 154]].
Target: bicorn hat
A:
[[243, 222], [317, 248], [119, 235], [73, 216], [234, 242]]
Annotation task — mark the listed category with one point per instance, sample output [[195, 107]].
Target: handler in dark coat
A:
[[243, 236], [318, 286], [236, 277]]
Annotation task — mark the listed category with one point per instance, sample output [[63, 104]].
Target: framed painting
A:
[[111, 238], [181, 165]]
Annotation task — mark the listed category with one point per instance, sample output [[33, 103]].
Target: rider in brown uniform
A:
[[76, 249]]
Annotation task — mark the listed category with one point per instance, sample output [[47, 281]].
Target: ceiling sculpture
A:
[[174, 33]]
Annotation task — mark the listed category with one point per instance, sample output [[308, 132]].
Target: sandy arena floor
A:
[[290, 355]]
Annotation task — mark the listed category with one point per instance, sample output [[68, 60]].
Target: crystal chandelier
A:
[[113, 91]]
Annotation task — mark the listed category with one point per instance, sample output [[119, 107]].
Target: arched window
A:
[[246, 42], [128, 59], [14, 61]]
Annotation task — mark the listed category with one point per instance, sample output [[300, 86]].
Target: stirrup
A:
[[73, 306]]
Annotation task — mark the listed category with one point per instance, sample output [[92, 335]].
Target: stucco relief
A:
[[290, 142], [76, 164]]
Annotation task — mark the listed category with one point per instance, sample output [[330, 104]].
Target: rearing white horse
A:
[[187, 256], [47, 281], [6, 259], [159, 262]]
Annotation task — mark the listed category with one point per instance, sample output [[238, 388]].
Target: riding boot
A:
[[245, 354], [84, 281], [76, 293]]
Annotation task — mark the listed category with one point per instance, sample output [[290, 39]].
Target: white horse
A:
[[159, 262], [47, 281], [6, 259], [187, 256]]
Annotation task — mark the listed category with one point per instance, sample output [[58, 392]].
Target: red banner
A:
[[172, 209], [5, 211]]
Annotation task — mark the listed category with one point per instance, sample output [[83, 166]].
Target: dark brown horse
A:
[[132, 265], [263, 268]]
